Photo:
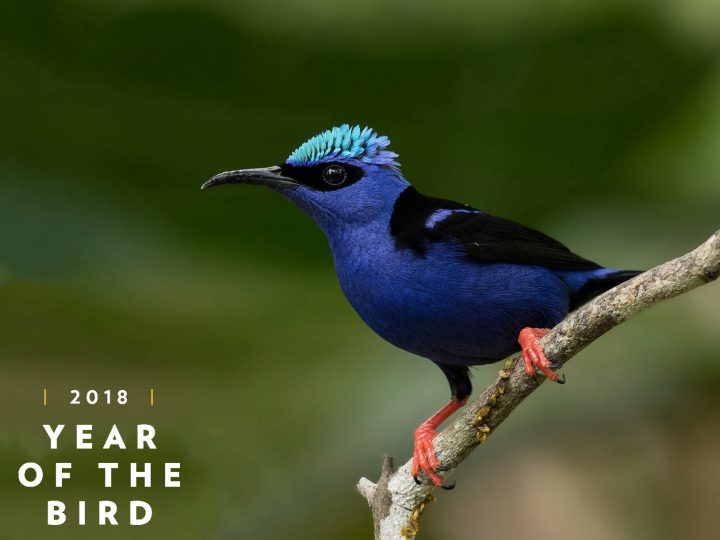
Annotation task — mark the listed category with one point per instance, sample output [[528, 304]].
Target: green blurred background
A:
[[598, 122]]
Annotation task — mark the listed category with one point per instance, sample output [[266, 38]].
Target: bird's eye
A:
[[334, 175]]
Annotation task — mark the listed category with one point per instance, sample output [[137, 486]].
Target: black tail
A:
[[599, 285]]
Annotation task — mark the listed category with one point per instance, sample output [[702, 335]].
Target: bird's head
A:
[[343, 176]]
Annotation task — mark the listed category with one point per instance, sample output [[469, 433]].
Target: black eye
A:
[[334, 175]]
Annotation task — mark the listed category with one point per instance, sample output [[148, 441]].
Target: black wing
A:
[[418, 221], [495, 239]]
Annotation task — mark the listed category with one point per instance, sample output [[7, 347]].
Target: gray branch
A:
[[397, 501]]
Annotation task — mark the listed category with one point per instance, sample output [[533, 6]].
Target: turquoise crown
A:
[[345, 141]]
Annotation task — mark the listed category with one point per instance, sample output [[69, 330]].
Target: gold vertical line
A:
[[44, 397], [152, 397]]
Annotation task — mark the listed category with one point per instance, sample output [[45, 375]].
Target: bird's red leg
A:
[[424, 456], [533, 354]]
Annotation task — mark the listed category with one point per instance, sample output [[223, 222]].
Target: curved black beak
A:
[[268, 176]]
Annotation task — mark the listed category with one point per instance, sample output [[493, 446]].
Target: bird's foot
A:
[[424, 456], [534, 356]]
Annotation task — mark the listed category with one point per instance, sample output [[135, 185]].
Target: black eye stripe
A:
[[313, 176]]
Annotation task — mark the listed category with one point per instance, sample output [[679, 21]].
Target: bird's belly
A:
[[456, 312]]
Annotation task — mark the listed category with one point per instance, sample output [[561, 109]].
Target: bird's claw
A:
[[424, 457], [534, 356], [446, 487]]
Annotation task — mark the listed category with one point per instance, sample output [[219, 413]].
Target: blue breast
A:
[[439, 305]]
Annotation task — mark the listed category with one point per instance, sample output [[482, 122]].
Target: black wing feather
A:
[[494, 239], [482, 237]]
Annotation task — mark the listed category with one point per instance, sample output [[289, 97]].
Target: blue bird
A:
[[434, 277]]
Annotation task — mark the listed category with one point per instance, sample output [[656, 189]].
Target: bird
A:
[[439, 279]]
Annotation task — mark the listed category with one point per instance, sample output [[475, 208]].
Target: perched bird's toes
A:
[[448, 487], [529, 367], [434, 478], [424, 456], [415, 467], [417, 480], [533, 354], [561, 379]]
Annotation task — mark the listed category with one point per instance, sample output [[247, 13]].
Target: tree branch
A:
[[397, 501]]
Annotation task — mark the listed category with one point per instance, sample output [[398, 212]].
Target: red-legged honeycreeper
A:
[[434, 277]]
